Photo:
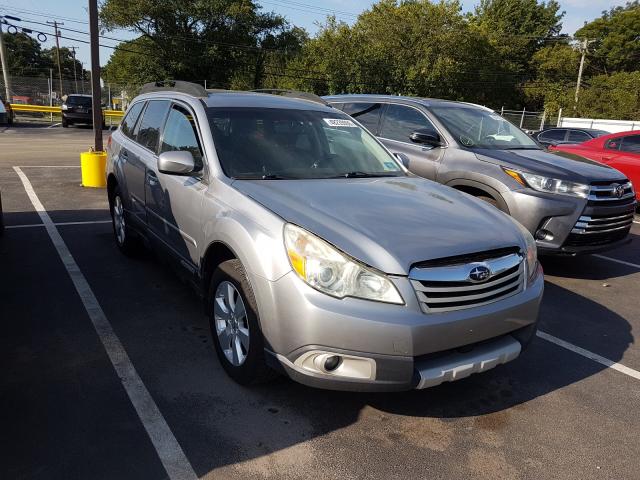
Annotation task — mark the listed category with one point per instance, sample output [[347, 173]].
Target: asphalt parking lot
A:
[[568, 408]]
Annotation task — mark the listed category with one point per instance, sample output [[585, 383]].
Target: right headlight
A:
[[327, 269], [64, 106], [548, 184]]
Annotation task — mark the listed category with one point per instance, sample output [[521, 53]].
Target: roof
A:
[[428, 102], [260, 100]]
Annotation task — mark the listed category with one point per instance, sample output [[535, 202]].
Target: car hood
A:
[[388, 223], [575, 169]]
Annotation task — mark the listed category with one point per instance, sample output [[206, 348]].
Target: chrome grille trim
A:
[[589, 225], [448, 288], [608, 191]]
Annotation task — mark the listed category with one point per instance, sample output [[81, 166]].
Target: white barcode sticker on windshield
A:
[[339, 122]]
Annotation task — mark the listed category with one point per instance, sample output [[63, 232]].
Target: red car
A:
[[618, 150]]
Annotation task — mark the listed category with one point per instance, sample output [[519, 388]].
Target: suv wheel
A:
[[233, 315], [127, 244], [65, 123]]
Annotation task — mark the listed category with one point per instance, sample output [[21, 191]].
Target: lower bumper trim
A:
[[455, 366]]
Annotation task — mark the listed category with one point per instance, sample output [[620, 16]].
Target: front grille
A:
[[593, 230], [448, 287], [611, 194]]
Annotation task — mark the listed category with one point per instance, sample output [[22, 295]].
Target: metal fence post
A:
[[559, 118], [522, 118], [544, 117]]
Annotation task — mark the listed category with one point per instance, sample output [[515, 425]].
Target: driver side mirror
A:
[[426, 138], [177, 162]]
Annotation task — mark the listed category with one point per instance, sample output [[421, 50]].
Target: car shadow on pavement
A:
[[220, 424], [585, 267]]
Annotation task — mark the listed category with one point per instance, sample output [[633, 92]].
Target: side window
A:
[[613, 144], [368, 114], [576, 136], [129, 121], [553, 135], [631, 144], [152, 120], [401, 121], [180, 133]]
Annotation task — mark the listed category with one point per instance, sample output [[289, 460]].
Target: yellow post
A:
[[93, 166]]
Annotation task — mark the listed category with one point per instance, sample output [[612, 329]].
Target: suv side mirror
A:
[[177, 162], [426, 138]]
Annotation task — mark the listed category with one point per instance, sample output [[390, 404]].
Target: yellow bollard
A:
[[93, 166]]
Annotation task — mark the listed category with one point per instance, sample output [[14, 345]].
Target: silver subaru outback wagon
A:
[[317, 253]]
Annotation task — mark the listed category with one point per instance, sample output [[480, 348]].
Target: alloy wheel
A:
[[232, 324]]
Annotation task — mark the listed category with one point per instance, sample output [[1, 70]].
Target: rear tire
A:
[[126, 240], [233, 316]]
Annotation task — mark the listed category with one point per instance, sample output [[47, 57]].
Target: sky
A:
[[304, 13]]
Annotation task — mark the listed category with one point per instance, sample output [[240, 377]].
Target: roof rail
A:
[[189, 88], [294, 94]]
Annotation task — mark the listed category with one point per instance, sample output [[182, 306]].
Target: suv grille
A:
[[449, 287], [611, 194]]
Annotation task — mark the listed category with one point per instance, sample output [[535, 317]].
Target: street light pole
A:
[[95, 75], [5, 68]]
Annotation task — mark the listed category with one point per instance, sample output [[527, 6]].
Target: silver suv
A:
[[317, 253], [570, 205]]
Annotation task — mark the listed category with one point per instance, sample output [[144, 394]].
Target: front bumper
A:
[[403, 342], [558, 215]]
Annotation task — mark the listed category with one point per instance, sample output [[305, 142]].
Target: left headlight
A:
[[327, 269], [548, 184], [64, 106], [531, 253]]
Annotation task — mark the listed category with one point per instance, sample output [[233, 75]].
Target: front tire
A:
[[65, 123], [233, 315], [127, 243]]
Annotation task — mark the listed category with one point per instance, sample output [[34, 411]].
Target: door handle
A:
[[124, 155]]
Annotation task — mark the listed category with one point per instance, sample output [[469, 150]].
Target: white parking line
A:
[[628, 264], [171, 454], [59, 224], [590, 355]]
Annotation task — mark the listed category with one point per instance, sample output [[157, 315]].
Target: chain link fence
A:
[[530, 121], [46, 91]]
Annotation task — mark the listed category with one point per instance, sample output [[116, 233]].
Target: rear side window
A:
[[180, 133], [577, 136], [557, 135], [129, 120], [152, 120], [401, 121], [631, 144], [613, 144], [368, 114]]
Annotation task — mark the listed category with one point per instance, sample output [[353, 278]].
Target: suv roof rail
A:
[[181, 86], [293, 94]]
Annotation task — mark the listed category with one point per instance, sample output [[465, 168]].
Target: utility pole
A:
[[57, 33], [75, 76], [584, 46], [95, 75], [5, 68]]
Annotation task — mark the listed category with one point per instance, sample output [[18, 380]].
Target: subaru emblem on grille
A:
[[618, 190], [479, 274]]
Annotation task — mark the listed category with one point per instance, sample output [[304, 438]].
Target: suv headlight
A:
[[327, 269], [531, 253], [64, 106], [548, 184]]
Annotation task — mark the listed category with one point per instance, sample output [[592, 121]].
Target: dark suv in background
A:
[[570, 205], [560, 135], [77, 109]]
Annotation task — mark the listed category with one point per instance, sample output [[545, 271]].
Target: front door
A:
[[174, 202], [398, 123]]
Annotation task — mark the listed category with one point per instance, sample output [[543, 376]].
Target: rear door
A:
[[398, 123], [174, 202]]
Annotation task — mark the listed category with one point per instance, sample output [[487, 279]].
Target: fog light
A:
[[544, 235], [332, 363]]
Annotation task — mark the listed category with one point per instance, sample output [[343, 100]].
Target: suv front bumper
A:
[[403, 347]]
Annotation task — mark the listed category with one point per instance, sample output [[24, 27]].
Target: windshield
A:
[[475, 127], [271, 144], [80, 101]]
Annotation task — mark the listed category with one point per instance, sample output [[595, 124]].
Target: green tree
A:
[[616, 36], [217, 40], [25, 56], [615, 96]]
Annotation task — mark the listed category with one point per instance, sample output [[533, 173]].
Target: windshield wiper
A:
[[273, 176], [358, 174]]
